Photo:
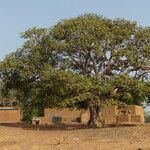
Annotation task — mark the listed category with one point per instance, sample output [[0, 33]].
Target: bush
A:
[[147, 119]]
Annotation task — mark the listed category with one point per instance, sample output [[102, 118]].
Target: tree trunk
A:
[[95, 120]]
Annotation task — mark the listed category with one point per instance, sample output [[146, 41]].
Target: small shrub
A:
[[147, 119]]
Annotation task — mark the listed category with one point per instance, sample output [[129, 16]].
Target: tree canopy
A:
[[96, 45]]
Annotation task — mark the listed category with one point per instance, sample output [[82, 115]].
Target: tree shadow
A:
[[119, 125], [53, 127], [58, 127]]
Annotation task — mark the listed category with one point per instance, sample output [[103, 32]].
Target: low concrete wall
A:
[[9, 116], [67, 115], [110, 115], [123, 118], [136, 119], [85, 116]]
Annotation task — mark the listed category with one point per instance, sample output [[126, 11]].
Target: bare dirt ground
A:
[[29, 137]]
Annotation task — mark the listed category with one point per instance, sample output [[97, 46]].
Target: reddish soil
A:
[[29, 137]]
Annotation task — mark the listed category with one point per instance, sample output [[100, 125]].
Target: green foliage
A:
[[7, 97], [131, 90], [97, 45], [67, 89]]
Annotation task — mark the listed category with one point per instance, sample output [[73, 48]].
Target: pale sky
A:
[[17, 16]]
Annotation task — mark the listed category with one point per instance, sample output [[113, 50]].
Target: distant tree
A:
[[20, 70]]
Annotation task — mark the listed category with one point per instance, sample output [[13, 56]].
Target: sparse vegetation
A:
[[147, 117]]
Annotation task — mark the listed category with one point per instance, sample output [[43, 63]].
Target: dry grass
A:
[[73, 137]]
